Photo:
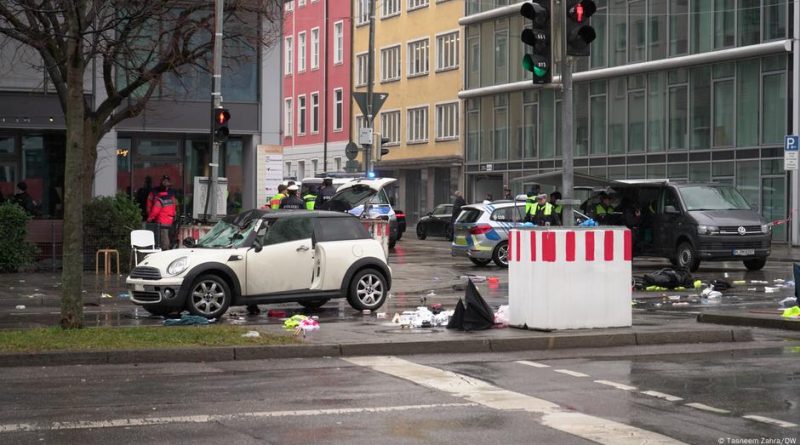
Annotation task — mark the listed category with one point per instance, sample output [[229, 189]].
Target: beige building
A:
[[418, 63]]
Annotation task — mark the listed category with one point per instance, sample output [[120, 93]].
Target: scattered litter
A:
[[187, 319], [714, 295], [758, 282], [105, 295], [315, 317], [721, 285], [674, 297], [493, 280], [792, 312], [250, 334], [474, 278], [709, 292], [396, 318], [274, 313], [779, 280], [752, 289], [20, 306], [739, 282], [788, 302], [366, 312], [301, 324], [431, 294], [698, 284], [436, 308], [123, 295], [381, 315], [436, 278], [501, 317], [771, 290], [789, 283], [684, 303]]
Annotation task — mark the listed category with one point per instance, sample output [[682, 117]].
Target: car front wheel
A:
[[421, 232], [210, 296], [686, 257], [367, 290]]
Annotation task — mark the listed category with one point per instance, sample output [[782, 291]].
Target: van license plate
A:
[[744, 252]]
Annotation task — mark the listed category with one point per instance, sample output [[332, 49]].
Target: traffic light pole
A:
[[216, 102], [567, 141], [370, 81]]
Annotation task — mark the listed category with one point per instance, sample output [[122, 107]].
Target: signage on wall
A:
[[791, 148]]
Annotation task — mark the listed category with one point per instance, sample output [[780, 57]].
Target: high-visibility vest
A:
[[548, 209], [530, 202], [600, 209], [275, 201], [310, 200], [559, 208]]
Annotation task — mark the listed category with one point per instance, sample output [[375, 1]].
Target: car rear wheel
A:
[[313, 304], [210, 296], [421, 234], [755, 263], [500, 254], [686, 257], [367, 290], [479, 261]]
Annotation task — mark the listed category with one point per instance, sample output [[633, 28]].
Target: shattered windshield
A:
[[229, 233], [713, 198]]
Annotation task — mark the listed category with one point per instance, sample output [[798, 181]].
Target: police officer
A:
[[603, 211], [530, 201], [310, 197], [292, 202], [554, 197], [543, 213], [275, 201], [325, 193]]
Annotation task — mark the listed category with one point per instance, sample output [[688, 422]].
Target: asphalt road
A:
[[698, 394]]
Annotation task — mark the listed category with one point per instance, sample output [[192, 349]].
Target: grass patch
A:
[[144, 337]]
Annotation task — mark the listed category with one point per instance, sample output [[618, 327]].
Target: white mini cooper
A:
[[262, 256]]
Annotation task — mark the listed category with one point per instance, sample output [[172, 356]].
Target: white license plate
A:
[[140, 287], [744, 252]]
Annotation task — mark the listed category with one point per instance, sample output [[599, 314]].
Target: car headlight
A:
[[178, 266], [707, 230], [766, 228]]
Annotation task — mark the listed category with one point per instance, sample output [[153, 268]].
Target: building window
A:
[[390, 8], [337, 163], [418, 58], [416, 4], [362, 14], [315, 112], [417, 124], [301, 3], [447, 51], [501, 57], [314, 166], [338, 105], [287, 117], [288, 171], [447, 121], [500, 133], [637, 33], [290, 6], [301, 169], [301, 51], [315, 48], [362, 67], [473, 129], [390, 126], [301, 115], [678, 27], [338, 42], [288, 56], [390, 64]]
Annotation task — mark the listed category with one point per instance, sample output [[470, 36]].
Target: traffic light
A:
[[538, 58], [221, 118], [380, 150], [579, 33]]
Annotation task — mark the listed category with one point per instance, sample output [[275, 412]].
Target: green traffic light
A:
[[538, 69], [527, 62]]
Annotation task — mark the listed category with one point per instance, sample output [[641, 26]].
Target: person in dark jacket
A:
[[457, 204], [23, 199], [292, 202], [325, 193]]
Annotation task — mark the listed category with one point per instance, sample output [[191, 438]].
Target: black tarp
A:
[[474, 314]]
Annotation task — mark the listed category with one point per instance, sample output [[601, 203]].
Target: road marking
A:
[[534, 364], [572, 373], [708, 408], [207, 418], [616, 385], [661, 395], [771, 421], [549, 414]]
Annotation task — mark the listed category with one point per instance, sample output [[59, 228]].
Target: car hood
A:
[[354, 194], [727, 217], [161, 260]]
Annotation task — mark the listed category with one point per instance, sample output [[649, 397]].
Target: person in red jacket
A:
[[163, 212]]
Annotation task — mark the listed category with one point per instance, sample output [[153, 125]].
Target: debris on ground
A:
[[251, 334], [422, 317], [188, 320], [792, 312], [123, 295], [275, 313], [473, 314], [301, 324], [105, 295], [502, 317], [20, 306]]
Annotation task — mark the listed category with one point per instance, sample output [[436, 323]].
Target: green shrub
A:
[[15, 252], [107, 224]]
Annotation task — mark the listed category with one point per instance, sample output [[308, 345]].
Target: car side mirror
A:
[[671, 210], [257, 246], [188, 242]]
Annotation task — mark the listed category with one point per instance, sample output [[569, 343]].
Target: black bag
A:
[[669, 278]]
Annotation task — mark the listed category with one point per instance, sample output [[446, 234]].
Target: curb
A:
[[219, 354], [752, 320]]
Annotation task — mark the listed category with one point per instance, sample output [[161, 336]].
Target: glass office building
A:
[[682, 89]]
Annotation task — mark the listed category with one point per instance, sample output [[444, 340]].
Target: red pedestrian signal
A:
[[221, 118], [579, 33]]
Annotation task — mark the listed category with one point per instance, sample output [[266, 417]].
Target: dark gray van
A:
[[691, 222]]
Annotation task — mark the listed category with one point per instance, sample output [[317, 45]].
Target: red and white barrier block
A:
[[569, 278], [379, 229]]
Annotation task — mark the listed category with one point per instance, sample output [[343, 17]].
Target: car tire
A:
[[209, 297], [368, 290], [686, 256], [421, 232], [755, 263], [480, 262], [500, 255], [313, 304]]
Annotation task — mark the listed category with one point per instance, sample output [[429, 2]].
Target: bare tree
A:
[[135, 44]]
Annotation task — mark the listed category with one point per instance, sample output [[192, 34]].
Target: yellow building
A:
[[418, 63]]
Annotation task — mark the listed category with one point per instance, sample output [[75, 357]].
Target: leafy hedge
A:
[[107, 224], [15, 252]]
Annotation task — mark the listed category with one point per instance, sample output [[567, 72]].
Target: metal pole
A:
[[324, 105], [794, 184], [370, 81], [567, 141], [216, 99]]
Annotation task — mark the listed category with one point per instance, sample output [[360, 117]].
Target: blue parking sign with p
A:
[[791, 143]]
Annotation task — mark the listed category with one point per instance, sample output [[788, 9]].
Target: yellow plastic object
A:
[[698, 284], [792, 312]]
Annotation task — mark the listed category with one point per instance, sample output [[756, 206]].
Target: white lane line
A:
[[534, 364], [203, 418], [661, 395], [572, 373], [616, 385], [703, 407], [771, 421], [549, 414]]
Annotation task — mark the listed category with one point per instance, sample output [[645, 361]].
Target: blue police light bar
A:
[[371, 175]]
